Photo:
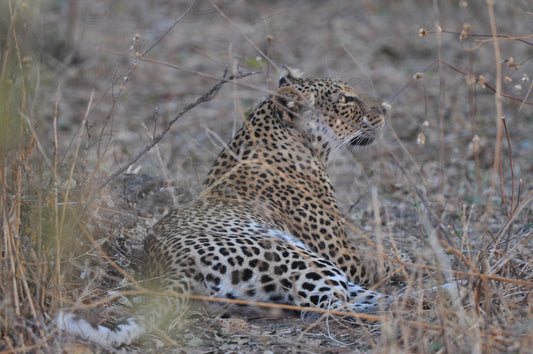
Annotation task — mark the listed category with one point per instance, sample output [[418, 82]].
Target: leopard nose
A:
[[374, 119]]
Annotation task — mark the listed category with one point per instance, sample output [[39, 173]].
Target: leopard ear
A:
[[288, 75], [291, 103]]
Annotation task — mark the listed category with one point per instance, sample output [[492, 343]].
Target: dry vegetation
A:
[[450, 183]]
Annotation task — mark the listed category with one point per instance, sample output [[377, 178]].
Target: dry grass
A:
[[451, 182]]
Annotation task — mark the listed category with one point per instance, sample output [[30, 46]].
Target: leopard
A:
[[266, 227]]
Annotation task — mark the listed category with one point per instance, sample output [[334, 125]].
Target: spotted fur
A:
[[267, 226]]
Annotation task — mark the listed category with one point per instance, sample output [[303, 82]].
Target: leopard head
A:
[[329, 113]]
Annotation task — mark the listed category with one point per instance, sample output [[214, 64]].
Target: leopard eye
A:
[[342, 99]]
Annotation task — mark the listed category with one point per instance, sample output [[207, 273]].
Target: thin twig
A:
[[435, 220], [126, 73], [256, 48], [207, 96], [474, 78], [487, 85], [170, 28], [512, 167]]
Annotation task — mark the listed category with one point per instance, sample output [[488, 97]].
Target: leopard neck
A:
[[266, 138]]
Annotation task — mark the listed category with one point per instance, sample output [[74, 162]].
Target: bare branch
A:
[[207, 96]]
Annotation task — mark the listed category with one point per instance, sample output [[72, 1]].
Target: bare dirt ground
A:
[[450, 183]]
